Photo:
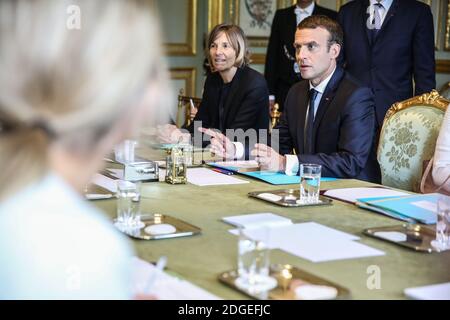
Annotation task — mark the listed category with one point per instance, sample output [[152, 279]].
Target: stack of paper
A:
[[311, 241], [166, 287]]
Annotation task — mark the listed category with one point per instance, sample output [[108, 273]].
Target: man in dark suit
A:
[[328, 118], [280, 59], [388, 44]]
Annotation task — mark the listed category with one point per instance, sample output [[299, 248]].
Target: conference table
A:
[[201, 258]]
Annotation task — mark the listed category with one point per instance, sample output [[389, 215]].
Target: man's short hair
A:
[[319, 21]]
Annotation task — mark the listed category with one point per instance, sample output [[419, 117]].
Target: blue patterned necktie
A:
[[310, 122]]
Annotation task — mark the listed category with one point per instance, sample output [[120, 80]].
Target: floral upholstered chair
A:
[[408, 137]]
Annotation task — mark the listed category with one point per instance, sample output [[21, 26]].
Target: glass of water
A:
[[128, 205], [443, 224], [309, 183], [124, 152], [254, 261]]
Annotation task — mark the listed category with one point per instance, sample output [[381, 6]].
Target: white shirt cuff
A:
[[291, 165], [239, 150]]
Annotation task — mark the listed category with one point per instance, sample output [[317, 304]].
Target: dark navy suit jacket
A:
[[344, 128], [246, 106], [403, 50]]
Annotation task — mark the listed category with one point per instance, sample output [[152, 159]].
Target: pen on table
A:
[[229, 173], [159, 268]]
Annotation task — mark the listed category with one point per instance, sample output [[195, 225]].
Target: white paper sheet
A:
[[257, 220], [433, 292], [316, 250], [244, 164], [118, 173], [427, 205], [206, 177], [314, 242], [166, 287], [105, 182], [352, 194]]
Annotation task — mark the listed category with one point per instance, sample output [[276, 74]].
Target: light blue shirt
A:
[[292, 164], [320, 88], [302, 14], [383, 11], [55, 245]]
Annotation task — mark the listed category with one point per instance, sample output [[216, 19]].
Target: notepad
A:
[[432, 292], [206, 177], [105, 182]]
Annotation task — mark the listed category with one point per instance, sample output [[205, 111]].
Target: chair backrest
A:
[[445, 91], [184, 108], [408, 137]]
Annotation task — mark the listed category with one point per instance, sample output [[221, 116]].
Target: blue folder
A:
[[274, 178], [404, 207]]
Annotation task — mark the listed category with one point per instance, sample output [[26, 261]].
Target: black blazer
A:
[[279, 69], [344, 129], [402, 51], [246, 107]]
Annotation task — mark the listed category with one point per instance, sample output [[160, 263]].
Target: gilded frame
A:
[[189, 48], [447, 29], [234, 14], [189, 75]]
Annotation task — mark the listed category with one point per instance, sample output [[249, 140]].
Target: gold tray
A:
[[183, 229], [289, 198], [418, 237], [288, 278]]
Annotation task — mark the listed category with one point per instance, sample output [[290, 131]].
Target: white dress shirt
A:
[[292, 164], [441, 163], [302, 14]]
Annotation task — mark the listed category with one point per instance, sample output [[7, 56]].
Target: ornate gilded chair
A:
[[445, 91], [408, 137], [184, 108]]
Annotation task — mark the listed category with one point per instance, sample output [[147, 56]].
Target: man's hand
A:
[[268, 158], [193, 112], [220, 144], [169, 133]]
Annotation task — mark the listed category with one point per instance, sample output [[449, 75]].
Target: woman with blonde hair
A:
[[234, 95], [69, 92]]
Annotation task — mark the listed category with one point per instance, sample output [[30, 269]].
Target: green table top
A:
[[201, 258]]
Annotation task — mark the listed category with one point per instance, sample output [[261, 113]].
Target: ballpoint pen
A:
[[153, 276]]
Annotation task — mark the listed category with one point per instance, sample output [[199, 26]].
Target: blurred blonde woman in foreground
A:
[[67, 96]]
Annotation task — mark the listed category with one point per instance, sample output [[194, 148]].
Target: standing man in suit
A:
[[328, 118], [388, 44], [281, 72]]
